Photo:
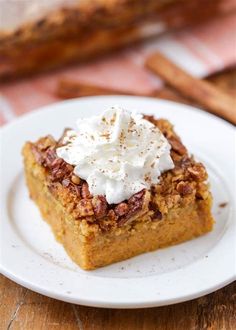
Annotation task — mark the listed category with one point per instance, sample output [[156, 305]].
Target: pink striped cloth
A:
[[201, 50]]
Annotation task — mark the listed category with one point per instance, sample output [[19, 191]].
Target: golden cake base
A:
[[91, 248]]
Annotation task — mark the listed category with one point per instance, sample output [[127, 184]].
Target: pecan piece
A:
[[198, 172], [45, 143], [185, 162], [56, 163], [57, 170], [72, 187], [111, 215], [76, 189], [135, 204], [121, 209], [132, 211], [50, 157], [66, 182], [85, 208], [75, 179], [184, 188], [99, 206], [202, 191], [136, 197], [85, 191], [60, 169], [177, 145], [121, 221]]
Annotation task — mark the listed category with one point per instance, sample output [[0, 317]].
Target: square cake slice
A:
[[95, 233]]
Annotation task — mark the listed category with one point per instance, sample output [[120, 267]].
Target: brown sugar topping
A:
[[185, 181]]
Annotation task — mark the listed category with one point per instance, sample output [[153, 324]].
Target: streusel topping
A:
[[181, 186]]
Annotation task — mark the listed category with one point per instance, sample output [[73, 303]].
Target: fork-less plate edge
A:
[[100, 302]]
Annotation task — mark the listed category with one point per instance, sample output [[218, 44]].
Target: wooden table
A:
[[21, 308]]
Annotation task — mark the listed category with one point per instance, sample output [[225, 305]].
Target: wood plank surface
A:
[[22, 309]]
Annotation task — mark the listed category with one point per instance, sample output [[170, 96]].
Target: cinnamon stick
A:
[[204, 93], [69, 89]]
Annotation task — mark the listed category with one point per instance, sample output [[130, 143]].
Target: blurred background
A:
[[51, 50]]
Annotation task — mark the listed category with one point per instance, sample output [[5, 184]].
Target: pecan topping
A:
[[60, 169], [85, 208], [66, 182], [75, 179], [99, 206], [177, 145], [111, 214], [85, 191], [44, 153], [75, 189], [198, 172], [184, 188], [136, 197], [72, 187], [121, 209], [185, 162], [57, 162], [49, 157], [46, 142], [135, 204], [188, 177]]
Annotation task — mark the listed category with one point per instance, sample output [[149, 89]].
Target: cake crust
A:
[[95, 233]]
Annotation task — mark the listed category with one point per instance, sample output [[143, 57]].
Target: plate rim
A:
[[98, 303], [114, 305], [84, 98]]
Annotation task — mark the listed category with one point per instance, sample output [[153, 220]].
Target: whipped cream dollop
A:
[[118, 153]]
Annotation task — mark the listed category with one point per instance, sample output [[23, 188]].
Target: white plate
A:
[[31, 257]]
